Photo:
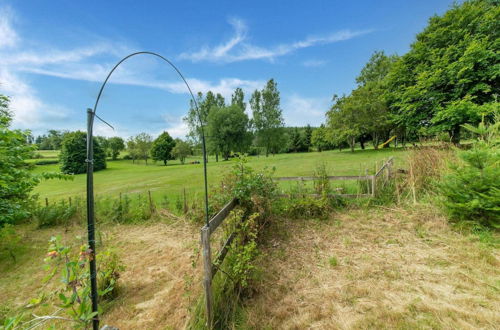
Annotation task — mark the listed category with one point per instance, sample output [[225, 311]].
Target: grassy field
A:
[[125, 177]]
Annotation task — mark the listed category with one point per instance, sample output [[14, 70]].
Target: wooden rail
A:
[[373, 178], [209, 268]]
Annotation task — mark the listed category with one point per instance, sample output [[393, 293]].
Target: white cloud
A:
[[237, 49], [300, 111], [89, 63], [314, 63], [8, 37]]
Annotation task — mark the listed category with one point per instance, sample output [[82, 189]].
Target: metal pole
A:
[[90, 216], [205, 174]]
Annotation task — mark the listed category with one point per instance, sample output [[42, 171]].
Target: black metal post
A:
[[90, 216], [205, 175]]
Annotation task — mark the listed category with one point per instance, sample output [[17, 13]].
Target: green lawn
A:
[[125, 177]]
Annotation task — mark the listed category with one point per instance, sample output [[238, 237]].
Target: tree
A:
[[451, 64], [181, 150], [238, 98], [162, 148], [319, 138], [228, 128], [103, 142], [343, 120], [132, 149], [73, 156], [307, 137], [267, 116], [142, 144], [194, 119], [16, 178], [116, 144]]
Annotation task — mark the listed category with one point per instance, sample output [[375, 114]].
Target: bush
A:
[[74, 154], [72, 294], [54, 214], [9, 241], [472, 190]]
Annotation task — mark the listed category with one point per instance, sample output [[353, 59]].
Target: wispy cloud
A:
[[89, 63], [300, 111], [238, 49], [314, 63], [8, 37]]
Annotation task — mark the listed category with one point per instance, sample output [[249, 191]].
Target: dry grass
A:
[[156, 289], [376, 269]]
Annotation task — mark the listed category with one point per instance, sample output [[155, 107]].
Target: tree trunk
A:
[[217, 157], [455, 135], [362, 143], [353, 142], [165, 162]]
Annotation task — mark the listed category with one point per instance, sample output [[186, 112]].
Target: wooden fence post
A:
[[46, 201], [374, 180], [151, 206], [69, 200], [207, 266], [185, 202]]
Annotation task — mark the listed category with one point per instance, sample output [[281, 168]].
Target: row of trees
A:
[[228, 128], [448, 78], [163, 148]]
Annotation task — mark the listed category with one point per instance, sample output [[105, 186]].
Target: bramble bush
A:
[[72, 297]]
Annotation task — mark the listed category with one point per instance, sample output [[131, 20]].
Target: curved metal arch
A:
[[90, 169]]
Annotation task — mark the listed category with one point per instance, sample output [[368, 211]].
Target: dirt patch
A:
[[376, 269]]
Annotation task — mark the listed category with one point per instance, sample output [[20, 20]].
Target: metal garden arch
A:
[[91, 114]]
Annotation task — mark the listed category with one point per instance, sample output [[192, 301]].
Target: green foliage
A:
[[450, 70], [74, 154], [162, 148], [472, 189], [267, 116], [10, 241], [228, 130], [319, 138], [139, 146], [16, 179], [54, 214], [181, 150], [116, 144]]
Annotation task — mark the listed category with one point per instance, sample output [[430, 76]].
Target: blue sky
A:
[[55, 54]]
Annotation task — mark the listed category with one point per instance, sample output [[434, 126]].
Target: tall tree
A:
[[307, 137], [162, 148], [452, 64], [267, 116], [238, 98], [73, 154], [228, 128], [181, 150], [142, 146], [116, 144]]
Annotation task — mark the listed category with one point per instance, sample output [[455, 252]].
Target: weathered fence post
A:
[[374, 181], [69, 200], [185, 201], [207, 281], [151, 205], [46, 201]]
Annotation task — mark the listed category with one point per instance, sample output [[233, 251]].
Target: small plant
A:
[[9, 241], [72, 298], [333, 261], [54, 214]]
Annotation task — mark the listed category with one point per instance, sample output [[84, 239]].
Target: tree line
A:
[[448, 78]]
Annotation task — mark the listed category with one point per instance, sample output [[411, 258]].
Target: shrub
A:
[[472, 189], [74, 154], [9, 241], [72, 296], [54, 214]]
